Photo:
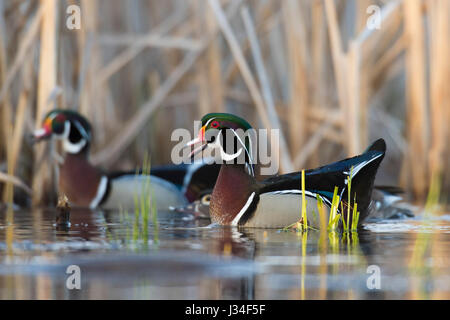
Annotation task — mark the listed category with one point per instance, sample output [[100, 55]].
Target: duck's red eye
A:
[[60, 118], [214, 124]]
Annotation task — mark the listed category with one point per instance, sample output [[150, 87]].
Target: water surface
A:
[[185, 259]]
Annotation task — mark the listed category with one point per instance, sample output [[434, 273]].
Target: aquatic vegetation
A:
[[303, 263], [333, 220], [335, 217], [423, 242], [304, 216], [144, 209]]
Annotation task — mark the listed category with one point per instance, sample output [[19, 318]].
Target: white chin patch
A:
[[225, 156], [74, 147], [68, 146]]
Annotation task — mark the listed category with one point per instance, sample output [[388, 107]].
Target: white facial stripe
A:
[[243, 210], [74, 147], [246, 150], [208, 122], [225, 156], [101, 190], [68, 146]]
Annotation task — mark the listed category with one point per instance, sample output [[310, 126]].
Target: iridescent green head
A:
[[232, 135]]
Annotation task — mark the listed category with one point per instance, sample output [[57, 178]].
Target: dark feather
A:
[[324, 179]]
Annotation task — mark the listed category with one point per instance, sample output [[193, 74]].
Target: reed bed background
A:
[[140, 69]]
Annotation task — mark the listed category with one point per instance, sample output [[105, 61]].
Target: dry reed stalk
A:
[[264, 81], [89, 89], [298, 75], [373, 59], [361, 15], [214, 58], [6, 114], [352, 85], [353, 119], [14, 144], [332, 135], [151, 40], [204, 100], [393, 129], [285, 163], [19, 129], [136, 47], [378, 50], [318, 47], [416, 97], [388, 58], [46, 83], [337, 52], [112, 150], [24, 49], [7, 178], [312, 144], [326, 114], [132, 127], [439, 17]]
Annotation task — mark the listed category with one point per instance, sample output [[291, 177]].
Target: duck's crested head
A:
[[228, 133], [67, 125], [220, 121]]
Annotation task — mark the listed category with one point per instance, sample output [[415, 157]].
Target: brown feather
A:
[[231, 192], [79, 180]]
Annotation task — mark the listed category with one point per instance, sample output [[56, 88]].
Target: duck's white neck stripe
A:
[[101, 190], [243, 210]]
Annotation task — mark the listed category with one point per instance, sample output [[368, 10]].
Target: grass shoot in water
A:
[[144, 205], [423, 242], [333, 221], [304, 215]]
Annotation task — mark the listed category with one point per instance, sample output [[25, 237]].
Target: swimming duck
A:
[[197, 180], [238, 199], [88, 186]]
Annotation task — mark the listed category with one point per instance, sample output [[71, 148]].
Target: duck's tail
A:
[[362, 170], [362, 175]]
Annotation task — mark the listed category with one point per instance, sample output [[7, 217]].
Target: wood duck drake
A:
[[88, 186], [197, 180], [238, 199]]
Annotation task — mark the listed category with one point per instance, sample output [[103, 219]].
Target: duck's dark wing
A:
[[172, 173], [194, 179], [323, 180]]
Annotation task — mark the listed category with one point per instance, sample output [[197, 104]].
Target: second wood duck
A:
[[238, 199], [88, 186]]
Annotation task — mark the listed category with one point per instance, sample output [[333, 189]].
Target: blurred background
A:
[[334, 75]]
